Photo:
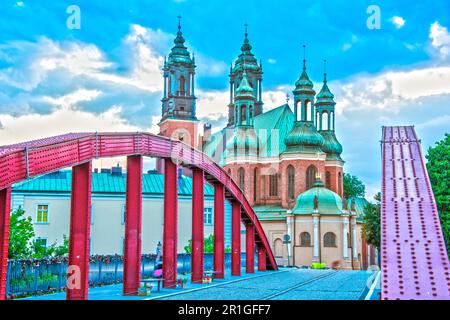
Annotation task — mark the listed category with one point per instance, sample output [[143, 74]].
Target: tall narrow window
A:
[[182, 86], [305, 239], [242, 179], [329, 239], [208, 216], [291, 182], [273, 185], [328, 180], [255, 174], [278, 248], [339, 183], [310, 176]]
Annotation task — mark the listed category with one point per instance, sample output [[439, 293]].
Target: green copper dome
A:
[[244, 141], [328, 201], [304, 137], [304, 84], [244, 89], [303, 81], [325, 97], [179, 52], [331, 146]]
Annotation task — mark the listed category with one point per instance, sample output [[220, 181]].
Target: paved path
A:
[[286, 284], [291, 285]]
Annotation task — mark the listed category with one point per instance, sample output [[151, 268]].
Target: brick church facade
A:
[[284, 159]]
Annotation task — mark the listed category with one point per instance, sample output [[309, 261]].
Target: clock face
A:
[[181, 135]]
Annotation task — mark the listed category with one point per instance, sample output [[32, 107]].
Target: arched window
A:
[[310, 176], [324, 125], [328, 180], [308, 111], [278, 248], [182, 86], [243, 114], [329, 239], [305, 239], [273, 185], [241, 178], [339, 183], [255, 177], [291, 182]]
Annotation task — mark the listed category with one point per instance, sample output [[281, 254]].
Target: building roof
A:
[[60, 182], [360, 203], [265, 124], [329, 202], [270, 212]]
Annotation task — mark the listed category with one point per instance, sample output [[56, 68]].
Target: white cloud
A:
[[398, 21], [440, 39], [271, 61], [348, 45], [391, 90], [70, 100], [62, 120]]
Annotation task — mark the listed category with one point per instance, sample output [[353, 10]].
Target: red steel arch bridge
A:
[[30, 159], [414, 259]]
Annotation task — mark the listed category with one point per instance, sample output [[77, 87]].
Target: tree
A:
[[438, 167], [372, 225], [208, 245], [353, 187], [21, 233], [54, 250]]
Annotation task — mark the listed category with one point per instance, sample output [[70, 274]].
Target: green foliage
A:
[[353, 187], [21, 233], [54, 250], [438, 168], [21, 244], [208, 245], [372, 226]]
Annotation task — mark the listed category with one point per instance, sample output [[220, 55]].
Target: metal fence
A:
[[31, 277]]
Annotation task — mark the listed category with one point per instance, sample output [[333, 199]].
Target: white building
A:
[[46, 200]]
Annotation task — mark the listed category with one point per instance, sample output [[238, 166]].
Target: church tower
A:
[[245, 61], [178, 119], [325, 117], [304, 137]]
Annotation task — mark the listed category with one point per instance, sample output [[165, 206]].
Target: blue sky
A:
[[106, 76]]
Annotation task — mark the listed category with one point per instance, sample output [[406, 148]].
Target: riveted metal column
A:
[[250, 248], [197, 225], [262, 258], [133, 226], [219, 230], [5, 201], [236, 239], [80, 217], [170, 224]]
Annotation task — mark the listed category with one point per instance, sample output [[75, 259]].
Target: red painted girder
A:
[[197, 225], [170, 224], [219, 231], [5, 202], [18, 162], [250, 248], [133, 226], [235, 239], [79, 238]]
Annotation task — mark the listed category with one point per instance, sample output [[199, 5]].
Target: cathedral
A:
[[287, 160]]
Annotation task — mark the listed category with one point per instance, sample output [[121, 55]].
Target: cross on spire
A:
[[179, 23], [325, 71], [246, 29], [304, 57]]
